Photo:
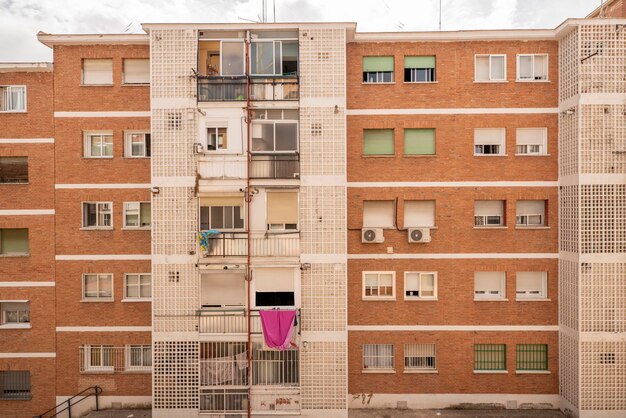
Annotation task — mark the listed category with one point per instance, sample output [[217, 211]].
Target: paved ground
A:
[[121, 413], [450, 413]]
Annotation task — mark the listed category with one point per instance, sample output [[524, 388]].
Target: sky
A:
[[20, 20]]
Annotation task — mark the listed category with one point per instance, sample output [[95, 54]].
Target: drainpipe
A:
[[248, 200]]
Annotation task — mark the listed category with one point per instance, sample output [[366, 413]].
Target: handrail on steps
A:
[[97, 390]]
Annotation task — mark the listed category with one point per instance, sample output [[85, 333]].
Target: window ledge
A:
[[491, 300], [378, 299], [531, 227], [491, 371], [136, 228], [13, 182], [14, 255], [103, 371], [421, 371], [533, 300], [135, 300], [532, 372], [138, 371], [97, 301], [419, 155], [532, 155], [379, 371], [491, 227], [415, 299], [134, 158], [532, 81], [134, 84], [96, 85], [13, 111], [97, 228], [378, 155], [385, 82], [490, 81], [16, 326], [491, 155], [106, 157], [421, 82]]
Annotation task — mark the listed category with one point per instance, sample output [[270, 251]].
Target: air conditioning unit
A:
[[419, 235], [372, 235]]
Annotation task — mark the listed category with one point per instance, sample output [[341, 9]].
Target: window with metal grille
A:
[[99, 358], [13, 169], [378, 357], [532, 357], [138, 357], [15, 385], [489, 356], [420, 357]]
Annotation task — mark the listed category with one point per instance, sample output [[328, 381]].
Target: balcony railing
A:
[[221, 89], [235, 401], [232, 321], [275, 166], [234, 244], [107, 359]]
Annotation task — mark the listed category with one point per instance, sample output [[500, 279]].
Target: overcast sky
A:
[[20, 20]]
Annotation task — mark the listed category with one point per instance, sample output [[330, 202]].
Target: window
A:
[[138, 357], [98, 144], [12, 99], [97, 215], [15, 385], [419, 213], [378, 70], [378, 357], [420, 285], [530, 213], [420, 357], [378, 214], [490, 68], [223, 289], [282, 211], [489, 356], [99, 358], [378, 142], [14, 170], [137, 286], [98, 287], [224, 58], [136, 71], [137, 145], [532, 67], [531, 141], [15, 314], [14, 241], [419, 142], [531, 357], [216, 139], [489, 285], [420, 69], [221, 213], [379, 285], [275, 131], [274, 287], [531, 285], [274, 58], [489, 141], [137, 214], [489, 213], [98, 71]]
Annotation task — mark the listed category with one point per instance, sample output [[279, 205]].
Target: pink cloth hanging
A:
[[278, 328]]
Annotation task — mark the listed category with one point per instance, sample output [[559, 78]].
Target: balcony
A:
[[226, 89], [234, 244], [275, 166], [232, 321]]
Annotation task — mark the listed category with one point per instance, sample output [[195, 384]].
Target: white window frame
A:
[[139, 226], [82, 72], [124, 82], [138, 285], [277, 71], [486, 221], [530, 296], [378, 274], [97, 226], [87, 143], [280, 227], [87, 353], [502, 144], [411, 351], [419, 281], [5, 323], [9, 88], [523, 220], [128, 366], [375, 369], [501, 295], [274, 122], [242, 213], [532, 79], [490, 79], [243, 49], [543, 145], [215, 129], [98, 298], [128, 144]]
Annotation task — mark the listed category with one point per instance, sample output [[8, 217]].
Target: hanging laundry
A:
[[241, 360], [204, 238], [217, 371], [278, 326]]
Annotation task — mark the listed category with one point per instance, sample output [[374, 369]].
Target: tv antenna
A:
[[262, 17]]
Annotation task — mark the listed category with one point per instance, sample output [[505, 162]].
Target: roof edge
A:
[[50, 40], [25, 67]]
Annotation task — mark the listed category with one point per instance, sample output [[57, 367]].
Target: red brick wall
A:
[[42, 387], [455, 85], [69, 95], [455, 364], [38, 265]]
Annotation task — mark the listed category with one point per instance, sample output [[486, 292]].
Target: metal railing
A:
[[106, 359], [86, 393], [220, 89], [232, 321], [274, 88], [234, 244], [275, 166], [221, 401]]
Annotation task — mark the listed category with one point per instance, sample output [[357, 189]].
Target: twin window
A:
[[99, 72], [98, 287], [528, 357], [491, 213], [492, 285], [12, 99], [100, 144], [107, 358], [530, 67], [417, 69], [381, 285], [100, 215], [381, 213], [417, 141], [14, 314], [417, 357]]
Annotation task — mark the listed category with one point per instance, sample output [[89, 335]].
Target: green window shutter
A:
[[378, 142], [14, 241], [419, 141], [419, 62], [375, 64]]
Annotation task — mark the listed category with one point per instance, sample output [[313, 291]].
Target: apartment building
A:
[[442, 212]]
